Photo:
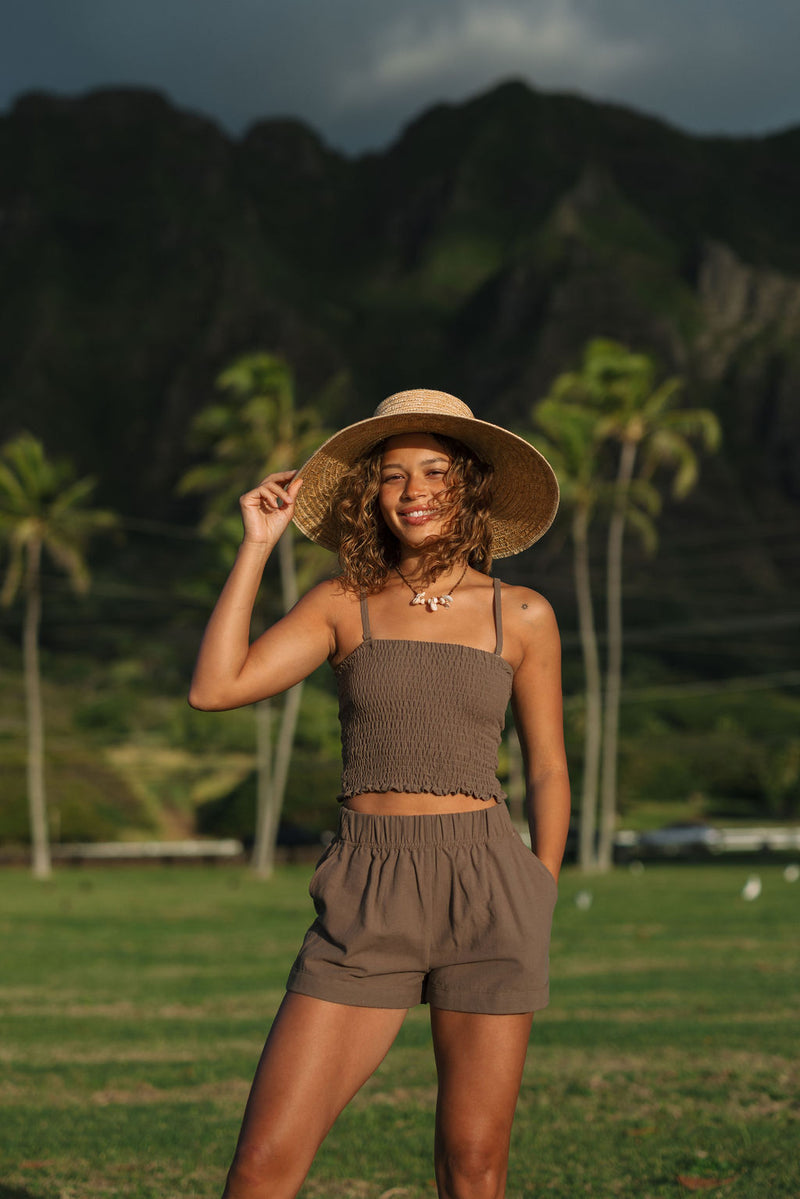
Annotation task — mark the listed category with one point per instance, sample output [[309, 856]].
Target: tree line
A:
[[610, 428]]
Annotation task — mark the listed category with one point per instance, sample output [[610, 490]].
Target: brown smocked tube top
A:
[[422, 716]]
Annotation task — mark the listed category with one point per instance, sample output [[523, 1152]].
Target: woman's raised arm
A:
[[230, 672]]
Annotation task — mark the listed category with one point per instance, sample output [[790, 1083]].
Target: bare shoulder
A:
[[524, 608], [529, 623], [326, 592], [331, 604], [326, 600]]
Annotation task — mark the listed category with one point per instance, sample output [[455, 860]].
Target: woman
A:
[[427, 894]]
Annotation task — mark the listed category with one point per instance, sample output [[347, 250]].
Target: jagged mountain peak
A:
[[142, 247]]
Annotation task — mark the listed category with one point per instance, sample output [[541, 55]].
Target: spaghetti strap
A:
[[365, 617], [498, 617]]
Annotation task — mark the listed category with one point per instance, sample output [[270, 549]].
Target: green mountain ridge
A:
[[142, 249]]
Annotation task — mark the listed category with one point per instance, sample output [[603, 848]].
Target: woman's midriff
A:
[[402, 803]]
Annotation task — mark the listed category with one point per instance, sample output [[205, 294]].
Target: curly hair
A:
[[368, 550]]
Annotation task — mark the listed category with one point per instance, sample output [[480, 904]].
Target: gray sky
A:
[[357, 70]]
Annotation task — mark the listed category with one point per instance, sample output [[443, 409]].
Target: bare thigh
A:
[[479, 1060], [316, 1057]]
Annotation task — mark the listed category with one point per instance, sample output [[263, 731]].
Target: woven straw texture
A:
[[525, 487]]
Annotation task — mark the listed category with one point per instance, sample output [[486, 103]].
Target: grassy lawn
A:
[[135, 1003]]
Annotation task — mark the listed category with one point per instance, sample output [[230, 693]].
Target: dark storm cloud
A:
[[357, 69]]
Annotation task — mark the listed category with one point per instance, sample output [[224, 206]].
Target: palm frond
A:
[[206, 476], [69, 557], [12, 492], [700, 423], [72, 497], [13, 578], [210, 424], [642, 524], [257, 373], [42, 501], [661, 398], [667, 448], [252, 432], [644, 495]]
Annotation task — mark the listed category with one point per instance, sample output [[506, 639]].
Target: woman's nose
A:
[[412, 487]]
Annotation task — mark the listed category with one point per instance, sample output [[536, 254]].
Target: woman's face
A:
[[414, 467]]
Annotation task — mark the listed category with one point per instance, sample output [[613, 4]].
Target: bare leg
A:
[[479, 1059], [317, 1056]]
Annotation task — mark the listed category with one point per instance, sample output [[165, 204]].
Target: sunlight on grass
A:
[[135, 1003]]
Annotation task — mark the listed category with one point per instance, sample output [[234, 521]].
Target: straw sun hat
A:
[[524, 487]]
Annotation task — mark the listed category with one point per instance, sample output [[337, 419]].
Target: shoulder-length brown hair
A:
[[368, 550]]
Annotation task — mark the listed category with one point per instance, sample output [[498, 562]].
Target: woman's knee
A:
[[260, 1170], [471, 1169]]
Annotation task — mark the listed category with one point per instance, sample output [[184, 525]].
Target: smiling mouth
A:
[[417, 516]]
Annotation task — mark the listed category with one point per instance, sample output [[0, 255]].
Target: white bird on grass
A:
[[752, 888]]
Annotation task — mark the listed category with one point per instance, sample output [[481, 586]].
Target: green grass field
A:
[[135, 1003]]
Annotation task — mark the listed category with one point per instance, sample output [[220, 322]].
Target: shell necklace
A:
[[431, 602]]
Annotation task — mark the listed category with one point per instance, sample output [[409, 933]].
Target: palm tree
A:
[[573, 451], [252, 430], [42, 507], [570, 416], [639, 413]]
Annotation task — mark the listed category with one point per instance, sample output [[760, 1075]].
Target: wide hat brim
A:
[[525, 488]]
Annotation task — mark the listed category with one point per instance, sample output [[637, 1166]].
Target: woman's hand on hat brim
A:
[[268, 508]]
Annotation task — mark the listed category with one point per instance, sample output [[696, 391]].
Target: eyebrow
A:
[[424, 462]]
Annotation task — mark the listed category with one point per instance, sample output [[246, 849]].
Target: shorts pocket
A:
[[538, 865], [316, 877], [542, 867]]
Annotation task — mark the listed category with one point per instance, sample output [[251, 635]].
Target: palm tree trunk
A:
[[37, 803], [280, 771], [263, 859], [608, 781], [273, 769], [288, 569], [593, 690]]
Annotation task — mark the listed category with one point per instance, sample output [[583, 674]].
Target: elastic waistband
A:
[[440, 828]]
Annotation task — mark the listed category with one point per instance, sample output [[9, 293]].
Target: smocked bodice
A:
[[422, 716]]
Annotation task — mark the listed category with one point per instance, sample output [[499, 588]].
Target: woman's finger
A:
[[276, 493], [270, 493]]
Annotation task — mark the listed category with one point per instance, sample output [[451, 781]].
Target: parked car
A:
[[684, 839]]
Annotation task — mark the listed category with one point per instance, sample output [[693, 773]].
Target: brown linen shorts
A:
[[451, 909]]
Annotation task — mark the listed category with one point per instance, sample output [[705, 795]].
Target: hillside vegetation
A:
[[142, 249]]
